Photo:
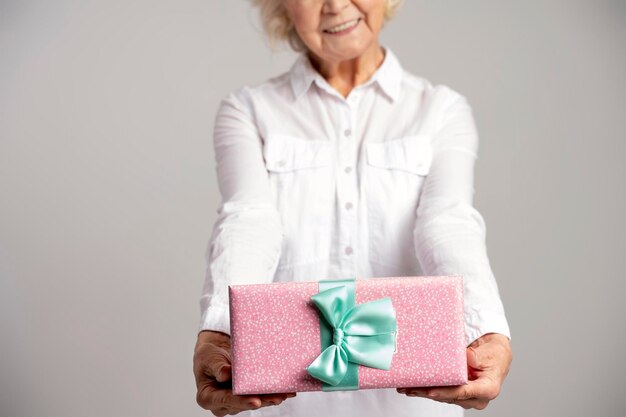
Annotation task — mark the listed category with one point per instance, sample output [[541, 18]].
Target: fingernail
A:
[[433, 394], [253, 403]]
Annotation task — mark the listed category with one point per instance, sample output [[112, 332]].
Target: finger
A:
[[476, 403], [218, 363], [482, 389], [480, 362], [275, 399], [281, 395], [211, 398], [225, 411], [224, 373], [473, 403], [462, 392], [239, 402], [261, 400], [473, 359], [270, 402], [487, 356], [221, 412], [442, 394]]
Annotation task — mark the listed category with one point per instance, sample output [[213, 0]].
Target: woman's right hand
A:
[[212, 369]]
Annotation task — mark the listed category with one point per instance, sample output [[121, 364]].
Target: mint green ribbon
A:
[[351, 335]]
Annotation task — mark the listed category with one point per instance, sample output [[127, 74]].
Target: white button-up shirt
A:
[[317, 186]]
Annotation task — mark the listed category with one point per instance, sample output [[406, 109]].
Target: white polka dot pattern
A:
[[275, 334]]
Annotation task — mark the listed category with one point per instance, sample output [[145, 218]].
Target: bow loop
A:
[[333, 304], [362, 334], [372, 318]]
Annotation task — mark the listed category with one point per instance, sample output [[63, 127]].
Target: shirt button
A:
[[348, 170], [348, 206], [281, 163], [348, 250], [347, 132]]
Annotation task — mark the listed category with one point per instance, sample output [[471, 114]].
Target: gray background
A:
[[108, 190]]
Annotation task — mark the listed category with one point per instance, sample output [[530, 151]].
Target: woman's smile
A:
[[343, 28]]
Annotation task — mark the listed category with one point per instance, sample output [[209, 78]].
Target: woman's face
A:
[[337, 30]]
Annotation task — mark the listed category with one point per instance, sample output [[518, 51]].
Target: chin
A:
[[349, 51]]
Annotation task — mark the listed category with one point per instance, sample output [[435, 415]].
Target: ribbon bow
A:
[[363, 334]]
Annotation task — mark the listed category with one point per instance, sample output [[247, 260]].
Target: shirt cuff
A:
[[217, 318], [478, 324]]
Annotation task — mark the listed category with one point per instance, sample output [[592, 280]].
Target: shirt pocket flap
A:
[[411, 154], [288, 153]]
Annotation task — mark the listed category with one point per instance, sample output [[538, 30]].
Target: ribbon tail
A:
[[330, 366]]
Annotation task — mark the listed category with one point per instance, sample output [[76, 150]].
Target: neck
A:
[[344, 75]]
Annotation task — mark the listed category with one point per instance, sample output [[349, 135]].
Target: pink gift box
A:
[[275, 334]]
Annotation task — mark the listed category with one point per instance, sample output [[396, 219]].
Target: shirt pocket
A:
[[302, 181], [395, 172]]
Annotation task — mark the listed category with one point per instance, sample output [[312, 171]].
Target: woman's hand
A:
[[488, 359], [212, 369]]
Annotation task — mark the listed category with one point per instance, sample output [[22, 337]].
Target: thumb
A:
[[223, 373], [473, 359], [218, 363]]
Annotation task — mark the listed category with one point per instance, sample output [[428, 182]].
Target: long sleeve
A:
[[449, 233], [245, 245]]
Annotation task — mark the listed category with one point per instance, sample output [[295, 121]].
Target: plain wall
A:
[[108, 191]]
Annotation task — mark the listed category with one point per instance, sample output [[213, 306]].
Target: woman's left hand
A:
[[488, 360]]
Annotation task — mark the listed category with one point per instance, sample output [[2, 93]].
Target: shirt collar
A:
[[388, 76]]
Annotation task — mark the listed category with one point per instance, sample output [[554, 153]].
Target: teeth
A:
[[343, 26]]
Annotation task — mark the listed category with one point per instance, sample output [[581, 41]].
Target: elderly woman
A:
[[347, 165]]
